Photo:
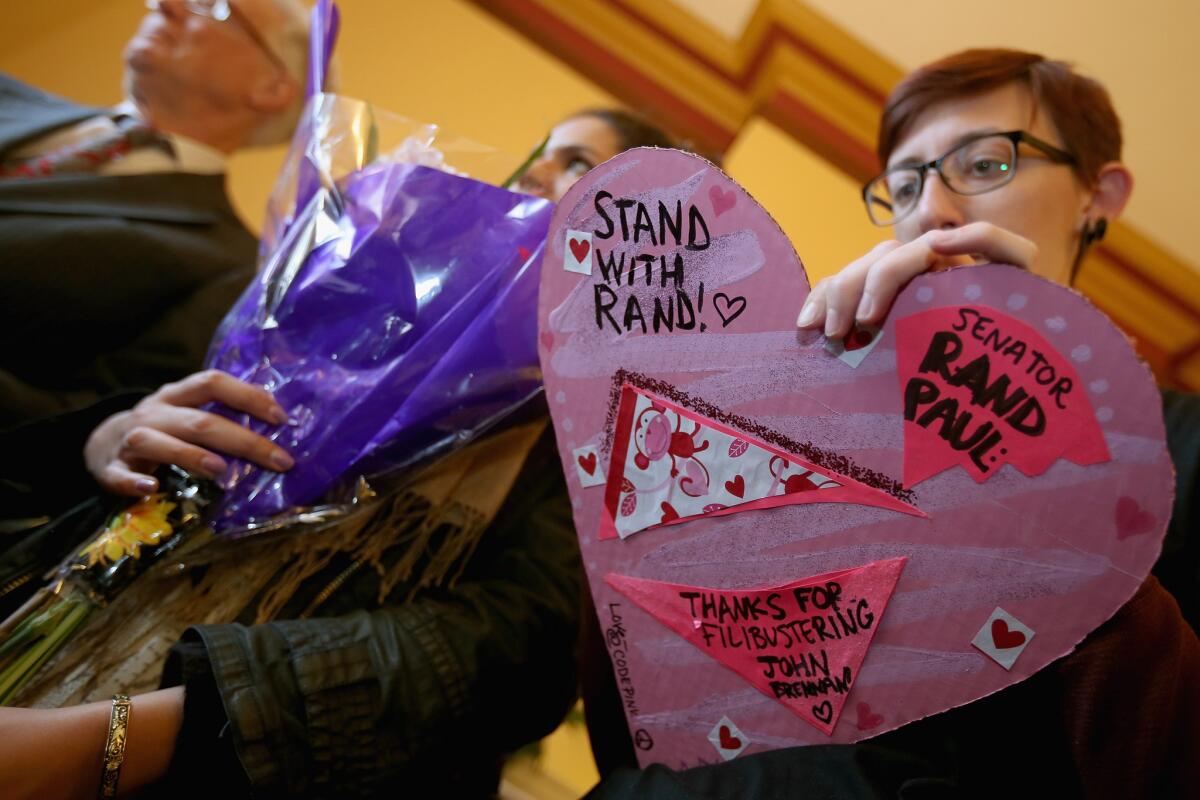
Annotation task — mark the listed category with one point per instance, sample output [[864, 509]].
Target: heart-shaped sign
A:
[[817, 548]]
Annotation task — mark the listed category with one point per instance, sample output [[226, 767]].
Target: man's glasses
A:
[[978, 165], [222, 11]]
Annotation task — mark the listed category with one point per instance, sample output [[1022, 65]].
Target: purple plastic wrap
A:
[[394, 313], [396, 319], [394, 316]]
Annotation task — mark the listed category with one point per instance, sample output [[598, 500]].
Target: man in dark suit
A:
[[119, 249]]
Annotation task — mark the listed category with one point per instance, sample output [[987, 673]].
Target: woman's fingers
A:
[[213, 385], [209, 433], [863, 292], [812, 313], [831, 304], [146, 445], [891, 272], [846, 289], [118, 478], [167, 428], [986, 242]]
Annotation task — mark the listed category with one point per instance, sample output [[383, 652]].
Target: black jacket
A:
[[106, 283]]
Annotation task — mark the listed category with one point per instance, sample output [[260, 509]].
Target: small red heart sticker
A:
[[866, 719], [588, 463], [580, 248], [1131, 518], [728, 740], [1004, 638], [721, 200], [857, 339]]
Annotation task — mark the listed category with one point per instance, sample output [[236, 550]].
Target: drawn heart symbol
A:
[[823, 711], [722, 200], [728, 740], [1004, 638], [1131, 519], [580, 248], [728, 308], [787, 389], [547, 339], [857, 339], [736, 487], [524, 253], [867, 720], [669, 513], [588, 463]]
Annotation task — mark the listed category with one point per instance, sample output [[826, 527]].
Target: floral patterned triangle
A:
[[671, 464]]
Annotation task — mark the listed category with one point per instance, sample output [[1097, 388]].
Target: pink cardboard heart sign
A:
[[795, 542]]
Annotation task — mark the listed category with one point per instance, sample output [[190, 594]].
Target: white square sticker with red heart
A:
[[577, 252], [728, 740], [856, 345], [587, 466], [1003, 637]]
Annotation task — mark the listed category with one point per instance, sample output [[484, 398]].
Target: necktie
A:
[[88, 155]]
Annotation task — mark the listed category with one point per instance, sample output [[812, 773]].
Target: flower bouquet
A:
[[393, 317]]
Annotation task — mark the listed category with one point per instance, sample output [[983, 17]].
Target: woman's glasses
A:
[[979, 164]]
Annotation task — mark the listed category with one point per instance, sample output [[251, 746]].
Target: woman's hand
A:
[[863, 291], [168, 427]]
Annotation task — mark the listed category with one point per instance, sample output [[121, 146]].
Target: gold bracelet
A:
[[114, 745]]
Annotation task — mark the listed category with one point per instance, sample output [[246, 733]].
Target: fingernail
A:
[[279, 416], [866, 308], [831, 321], [281, 460], [808, 314], [145, 485], [213, 465]]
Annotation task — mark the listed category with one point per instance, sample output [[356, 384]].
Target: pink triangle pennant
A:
[[672, 464], [801, 644]]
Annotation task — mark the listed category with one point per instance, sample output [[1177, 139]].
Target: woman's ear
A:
[[1114, 184]]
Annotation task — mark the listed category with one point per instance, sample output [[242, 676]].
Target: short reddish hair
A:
[[1079, 107]]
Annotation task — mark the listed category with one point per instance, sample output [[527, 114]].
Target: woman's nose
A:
[[938, 208]]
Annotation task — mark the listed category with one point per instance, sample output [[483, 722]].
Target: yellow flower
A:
[[143, 523]]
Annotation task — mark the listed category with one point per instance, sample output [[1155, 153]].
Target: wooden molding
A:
[[824, 88]]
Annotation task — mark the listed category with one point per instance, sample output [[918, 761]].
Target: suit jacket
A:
[[106, 283]]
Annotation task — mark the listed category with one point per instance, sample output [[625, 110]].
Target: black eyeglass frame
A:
[[1055, 154]]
